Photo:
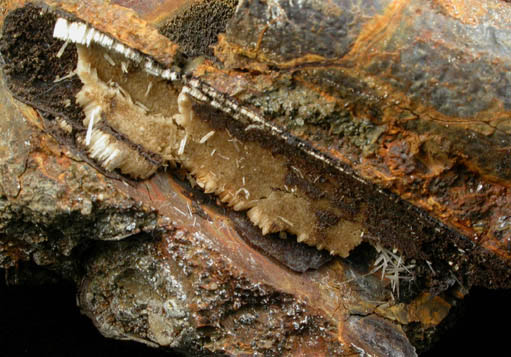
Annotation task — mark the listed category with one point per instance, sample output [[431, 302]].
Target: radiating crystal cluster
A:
[[80, 33]]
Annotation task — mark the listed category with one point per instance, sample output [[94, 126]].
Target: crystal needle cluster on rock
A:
[[133, 103]]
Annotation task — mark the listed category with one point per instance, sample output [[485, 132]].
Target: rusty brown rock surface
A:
[[421, 111], [194, 276], [123, 24], [413, 98], [191, 283]]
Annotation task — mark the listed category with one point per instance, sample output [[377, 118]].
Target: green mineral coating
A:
[[294, 106]]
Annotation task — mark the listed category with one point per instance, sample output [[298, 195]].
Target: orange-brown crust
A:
[[124, 25], [451, 160]]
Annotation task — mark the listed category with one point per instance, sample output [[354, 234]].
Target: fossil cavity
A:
[[137, 119]]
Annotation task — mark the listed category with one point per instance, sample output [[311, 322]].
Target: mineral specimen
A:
[[367, 131]]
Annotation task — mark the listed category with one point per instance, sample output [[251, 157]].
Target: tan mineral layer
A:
[[249, 177]]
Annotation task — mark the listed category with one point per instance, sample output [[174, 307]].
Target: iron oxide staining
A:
[[132, 115], [135, 116]]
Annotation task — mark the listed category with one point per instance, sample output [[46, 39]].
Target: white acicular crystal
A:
[[77, 32], [169, 75], [182, 145], [206, 137], [89, 36], [95, 112], [60, 30]]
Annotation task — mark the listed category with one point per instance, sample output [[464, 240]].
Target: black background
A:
[[45, 321]]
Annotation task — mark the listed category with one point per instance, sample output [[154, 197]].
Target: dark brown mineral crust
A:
[[259, 177]]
